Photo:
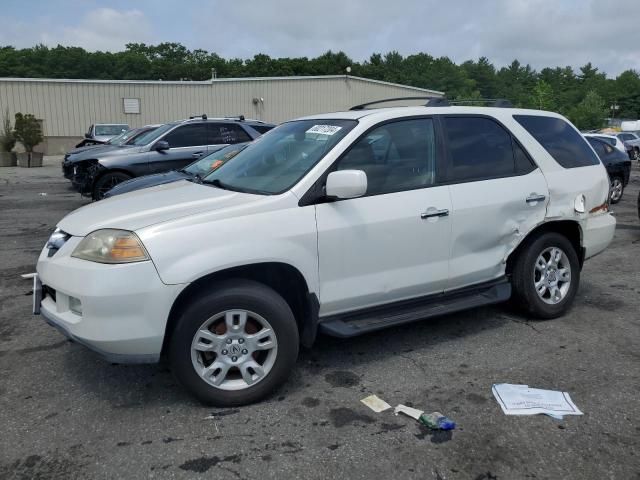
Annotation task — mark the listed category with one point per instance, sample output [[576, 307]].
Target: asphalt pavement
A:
[[64, 413]]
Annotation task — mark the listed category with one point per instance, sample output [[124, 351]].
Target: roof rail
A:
[[438, 102], [489, 102], [203, 116], [387, 100]]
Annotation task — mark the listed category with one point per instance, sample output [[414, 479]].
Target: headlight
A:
[[111, 246]]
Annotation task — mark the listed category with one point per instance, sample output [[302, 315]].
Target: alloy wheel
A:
[[552, 275], [234, 349]]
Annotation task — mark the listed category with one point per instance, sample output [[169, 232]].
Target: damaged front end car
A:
[[85, 174]]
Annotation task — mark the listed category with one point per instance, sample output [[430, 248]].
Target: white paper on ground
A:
[[522, 400], [376, 404], [412, 412]]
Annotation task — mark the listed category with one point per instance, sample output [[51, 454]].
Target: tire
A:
[[106, 182], [196, 370], [635, 154], [526, 274], [616, 189]]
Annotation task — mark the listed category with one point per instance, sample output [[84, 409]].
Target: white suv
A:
[[343, 223]]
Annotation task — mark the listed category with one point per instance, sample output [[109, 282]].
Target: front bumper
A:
[[124, 308], [597, 233]]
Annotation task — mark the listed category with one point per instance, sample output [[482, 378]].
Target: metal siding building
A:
[[68, 107]]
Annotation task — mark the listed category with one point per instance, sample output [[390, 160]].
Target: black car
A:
[[124, 138], [195, 171], [170, 147], [618, 166]]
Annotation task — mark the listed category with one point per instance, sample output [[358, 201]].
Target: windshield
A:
[[127, 136], [208, 164], [276, 162], [105, 130], [152, 135]]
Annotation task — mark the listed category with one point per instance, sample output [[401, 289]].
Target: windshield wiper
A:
[[217, 183]]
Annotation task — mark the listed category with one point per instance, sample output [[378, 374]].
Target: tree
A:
[[7, 137], [27, 131], [590, 113], [542, 97]]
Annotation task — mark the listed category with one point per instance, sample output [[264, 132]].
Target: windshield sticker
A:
[[324, 129]]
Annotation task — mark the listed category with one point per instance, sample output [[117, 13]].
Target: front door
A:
[[187, 143], [393, 243]]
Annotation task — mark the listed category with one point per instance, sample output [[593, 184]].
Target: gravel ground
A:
[[67, 414]]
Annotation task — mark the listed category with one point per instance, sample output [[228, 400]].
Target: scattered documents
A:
[[375, 403], [522, 400]]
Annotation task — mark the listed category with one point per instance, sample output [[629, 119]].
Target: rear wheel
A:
[[546, 275], [635, 154], [617, 189], [106, 182], [235, 345]]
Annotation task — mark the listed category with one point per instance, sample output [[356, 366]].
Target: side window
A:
[[229, 133], [479, 148], [559, 139], [397, 156], [262, 129], [598, 146], [524, 164], [188, 136]]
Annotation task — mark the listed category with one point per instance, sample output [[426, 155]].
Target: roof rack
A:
[[443, 102], [386, 100], [203, 116], [488, 102]]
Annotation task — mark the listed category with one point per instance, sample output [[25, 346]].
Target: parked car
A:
[[344, 223], [631, 141], [125, 138], [169, 147], [617, 164], [196, 171], [610, 139], [102, 132]]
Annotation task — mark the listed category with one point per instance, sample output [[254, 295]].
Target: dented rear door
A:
[[498, 194], [489, 218]]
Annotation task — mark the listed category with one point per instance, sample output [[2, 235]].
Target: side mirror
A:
[[346, 184], [87, 135], [161, 145]]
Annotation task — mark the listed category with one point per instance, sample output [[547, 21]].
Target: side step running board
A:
[[377, 318]]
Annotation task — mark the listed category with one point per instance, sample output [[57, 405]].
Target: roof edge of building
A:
[[217, 80]]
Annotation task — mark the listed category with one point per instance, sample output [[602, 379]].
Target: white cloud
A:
[[104, 29]]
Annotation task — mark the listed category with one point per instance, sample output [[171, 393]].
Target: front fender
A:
[[191, 248]]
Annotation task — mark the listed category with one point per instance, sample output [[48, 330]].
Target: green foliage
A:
[[590, 113], [559, 88], [28, 131], [7, 137], [542, 98]]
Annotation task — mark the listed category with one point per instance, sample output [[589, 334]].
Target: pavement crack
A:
[[415, 362], [522, 322]]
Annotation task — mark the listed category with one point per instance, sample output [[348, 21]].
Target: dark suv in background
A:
[[168, 147]]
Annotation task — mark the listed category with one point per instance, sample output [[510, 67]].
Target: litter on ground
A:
[[375, 403], [522, 400]]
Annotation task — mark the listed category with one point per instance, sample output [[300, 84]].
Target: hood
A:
[[147, 181], [103, 151], [95, 148], [103, 138], [149, 206]]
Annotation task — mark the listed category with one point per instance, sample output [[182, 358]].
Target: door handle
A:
[[534, 198], [432, 212], [197, 154]]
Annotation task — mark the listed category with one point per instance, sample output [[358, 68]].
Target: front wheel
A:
[[617, 189], [106, 182], [235, 345], [546, 275]]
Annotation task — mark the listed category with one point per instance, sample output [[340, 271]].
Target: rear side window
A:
[[229, 133], [560, 140], [480, 148], [262, 129]]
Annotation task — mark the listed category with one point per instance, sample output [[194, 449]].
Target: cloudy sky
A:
[[539, 32]]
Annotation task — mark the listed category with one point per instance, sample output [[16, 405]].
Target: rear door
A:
[[186, 144], [497, 195]]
